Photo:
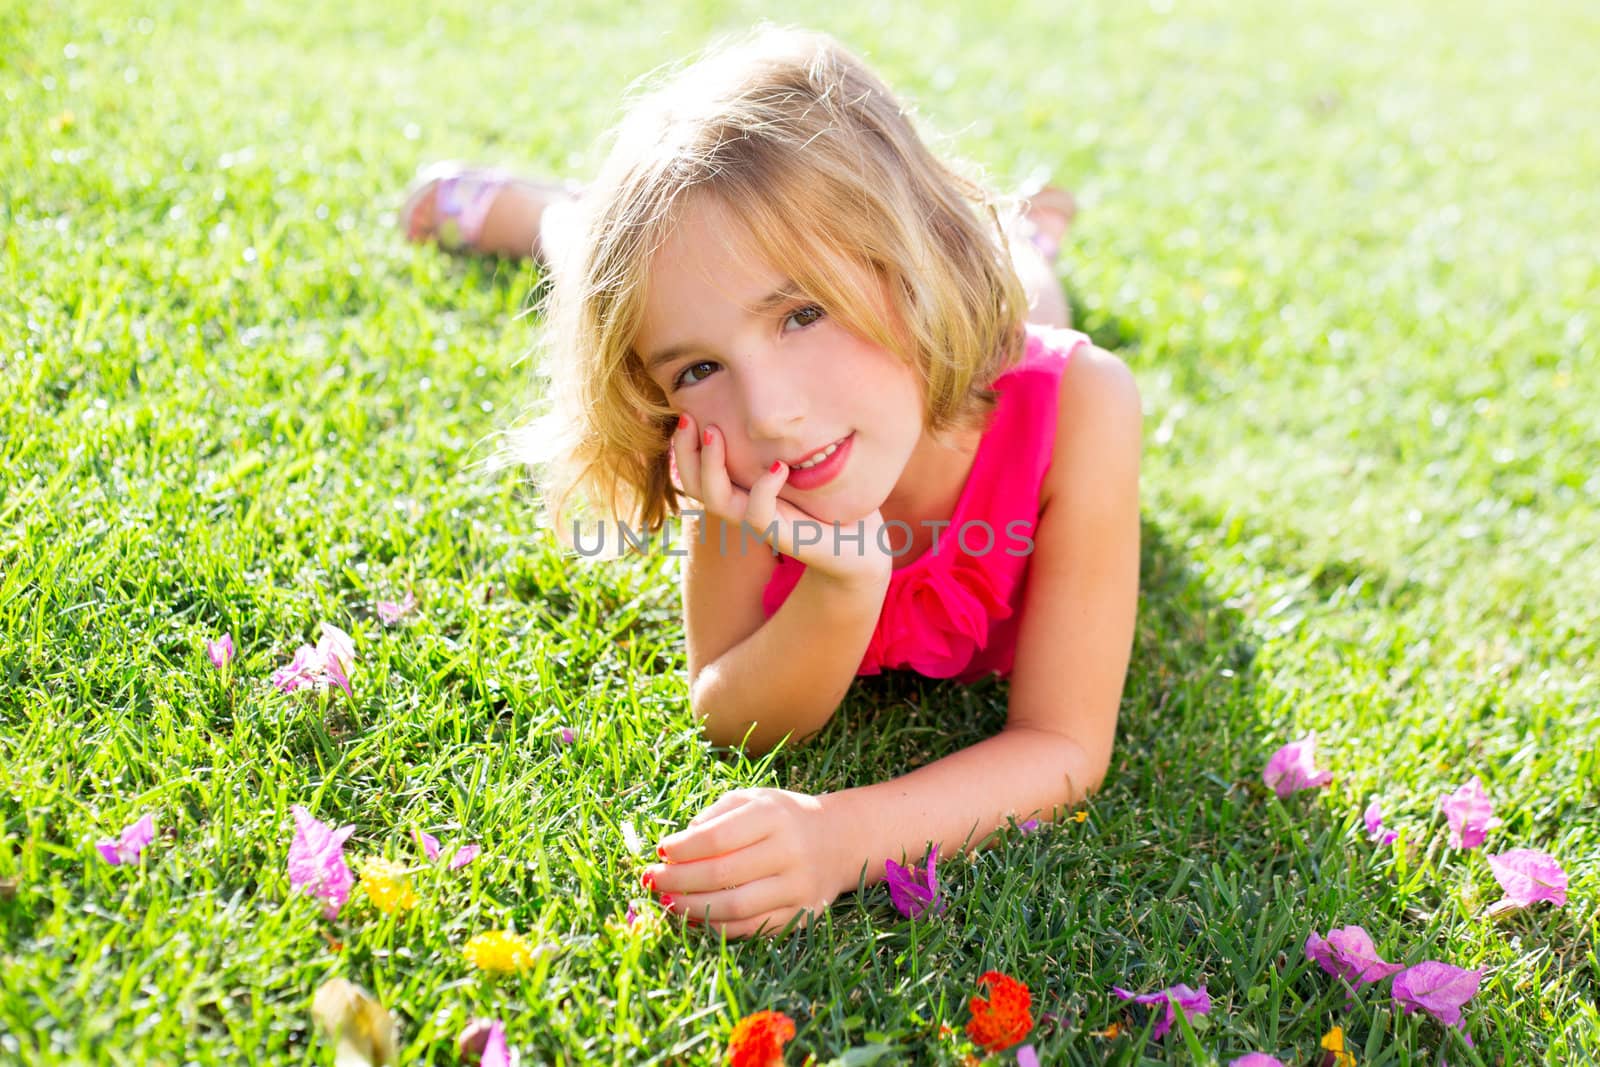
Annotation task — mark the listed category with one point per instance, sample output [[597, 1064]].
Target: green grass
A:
[[1348, 252]]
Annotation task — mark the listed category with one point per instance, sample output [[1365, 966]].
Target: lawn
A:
[[1349, 253]]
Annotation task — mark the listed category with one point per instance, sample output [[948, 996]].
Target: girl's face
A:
[[731, 343]]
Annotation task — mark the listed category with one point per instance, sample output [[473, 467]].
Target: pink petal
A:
[[392, 612], [1293, 768], [1528, 876], [464, 855], [1436, 988], [1470, 814], [913, 894], [316, 861], [132, 841], [1192, 1001], [220, 651], [1027, 1057], [1256, 1059], [429, 843], [338, 644], [1373, 817], [1349, 953], [567, 736], [495, 1051], [333, 669]]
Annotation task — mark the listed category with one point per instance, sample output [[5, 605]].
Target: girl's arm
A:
[[1076, 634], [758, 858], [786, 674]]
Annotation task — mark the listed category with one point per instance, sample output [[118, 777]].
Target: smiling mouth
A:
[[814, 458]]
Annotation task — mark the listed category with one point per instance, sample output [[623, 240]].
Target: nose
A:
[[774, 404]]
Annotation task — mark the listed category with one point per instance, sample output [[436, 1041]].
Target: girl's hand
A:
[[702, 467], [750, 862]]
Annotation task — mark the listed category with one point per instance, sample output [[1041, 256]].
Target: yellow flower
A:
[[388, 886], [1333, 1041], [501, 951]]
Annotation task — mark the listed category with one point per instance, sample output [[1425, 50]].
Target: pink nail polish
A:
[[777, 465], [666, 900], [661, 852], [683, 420], [648, 880], [706, 437]]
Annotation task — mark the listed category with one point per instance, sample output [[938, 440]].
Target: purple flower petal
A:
[[334, 670], [1027, 1057], [1436, 988], [567, 736], [220, 651], [1527, 876], [464, 855], [912, 895], [1293, 768], [1470, 814], [429, 843], [337, 644], [316, 861], [1192, 1001], [1028, 826], [391, 611], [1373, 817], [1349, 953], [495, 1051], [1256, 1059], [132, 841]]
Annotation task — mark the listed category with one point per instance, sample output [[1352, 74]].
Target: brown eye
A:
[[804, 316]]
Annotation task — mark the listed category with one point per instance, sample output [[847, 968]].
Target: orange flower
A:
[[758, 1039], [1004, 1019]]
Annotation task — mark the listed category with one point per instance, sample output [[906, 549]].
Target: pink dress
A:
[[952, 612]]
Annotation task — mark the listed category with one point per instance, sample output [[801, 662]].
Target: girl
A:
[[778, 304]]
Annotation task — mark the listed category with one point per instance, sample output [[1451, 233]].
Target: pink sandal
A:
[[462, 197]]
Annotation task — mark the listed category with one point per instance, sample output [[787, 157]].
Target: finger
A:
[[726, 802], [686, 454], [718, 488], [762, 506], [743, 866], [768, 924], [732, 905], [737, 828]]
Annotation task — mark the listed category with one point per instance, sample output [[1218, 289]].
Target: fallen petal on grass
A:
[[1528, 876], [1470, 814], [316, 861], [1293, 768], [1436, 988], [392, 611], [915, 892], [1349, 953], [1373, 817], [363, 1029], [126, 847], [220, 651], [1192, 1002]]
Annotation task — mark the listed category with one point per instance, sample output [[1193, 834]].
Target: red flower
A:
[[1004, 1019], [758, 1039]]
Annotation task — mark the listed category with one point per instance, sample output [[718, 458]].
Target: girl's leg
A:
[[1035, 238]]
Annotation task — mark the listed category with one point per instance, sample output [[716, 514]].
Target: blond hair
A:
[[811, 153]]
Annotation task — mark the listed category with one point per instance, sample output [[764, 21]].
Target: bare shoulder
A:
[[724, 576], [1098, 417]]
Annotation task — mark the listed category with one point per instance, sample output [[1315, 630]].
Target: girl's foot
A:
[[480, 211], [1048, 212]]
